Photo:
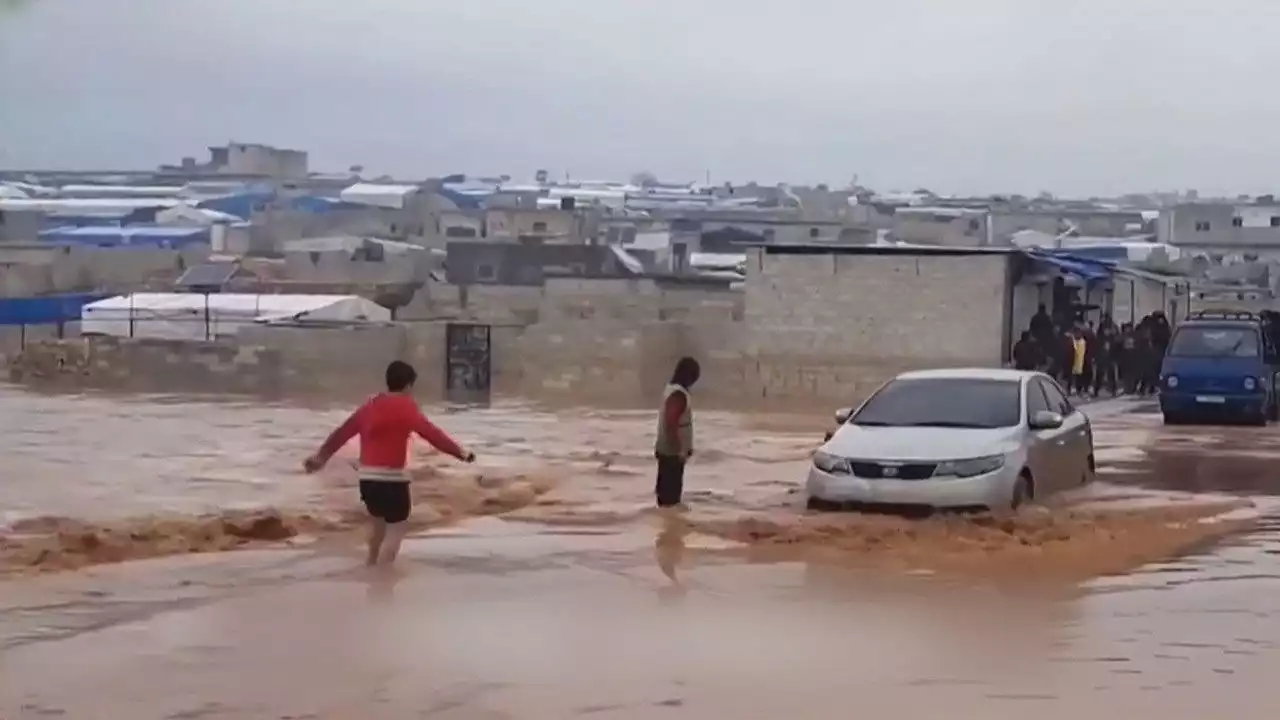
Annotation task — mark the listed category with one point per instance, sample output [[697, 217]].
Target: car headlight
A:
[[826, 462], [1172, 381], [969, 468], [1250, 383]]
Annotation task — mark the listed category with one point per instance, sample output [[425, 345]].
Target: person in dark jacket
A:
[[1104, 359], [1042, 326], [1026, 353], [674, 443], [1126, 352]]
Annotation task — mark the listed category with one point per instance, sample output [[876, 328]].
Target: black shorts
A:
[[386, 499]]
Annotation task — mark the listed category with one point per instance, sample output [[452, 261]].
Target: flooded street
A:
[[540, 586]]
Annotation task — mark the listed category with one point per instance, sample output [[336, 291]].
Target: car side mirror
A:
[[1046, 420], [842, 415]]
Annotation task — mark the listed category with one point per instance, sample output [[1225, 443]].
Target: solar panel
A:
[[215, 275]]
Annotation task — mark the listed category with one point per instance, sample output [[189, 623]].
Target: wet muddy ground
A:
[[541, 585]]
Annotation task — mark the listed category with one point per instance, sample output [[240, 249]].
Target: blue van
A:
[[1220, 365]]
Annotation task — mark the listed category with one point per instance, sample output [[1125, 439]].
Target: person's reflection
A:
[[668, 549]]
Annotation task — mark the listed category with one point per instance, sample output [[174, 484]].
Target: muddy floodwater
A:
[[164, 557]]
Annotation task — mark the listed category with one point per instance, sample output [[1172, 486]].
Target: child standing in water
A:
[[673, 445], [385, 423]]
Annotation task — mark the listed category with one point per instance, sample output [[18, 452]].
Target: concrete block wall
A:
[[341, 361], [878, 307], [579, 300], [148, 365], [71, 269], [837, 326], [824, 329]]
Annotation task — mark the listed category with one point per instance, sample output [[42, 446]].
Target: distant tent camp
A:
[[192, 316]]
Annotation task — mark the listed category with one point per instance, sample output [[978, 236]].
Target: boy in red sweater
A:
[[385, 423]]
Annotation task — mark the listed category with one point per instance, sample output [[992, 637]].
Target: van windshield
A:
[[1209, 341]]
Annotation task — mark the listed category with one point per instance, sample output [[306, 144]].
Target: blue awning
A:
[[1080, 268]]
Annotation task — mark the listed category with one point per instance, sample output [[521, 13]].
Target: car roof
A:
[[1221, 322], [974, 373]]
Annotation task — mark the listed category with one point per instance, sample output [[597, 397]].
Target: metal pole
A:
[[206, 317]]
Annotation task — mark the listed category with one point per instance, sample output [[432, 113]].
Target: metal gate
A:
[[467, 362]]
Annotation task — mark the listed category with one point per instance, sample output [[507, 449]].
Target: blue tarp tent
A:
[[1087, 269]]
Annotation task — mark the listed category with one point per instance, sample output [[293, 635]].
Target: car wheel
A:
[[1171, 419], [1023, 492], [1273, 410], [814, 503], [1090, 471], [1259, 420]]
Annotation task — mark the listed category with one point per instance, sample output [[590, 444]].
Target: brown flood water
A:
[[572, 598]]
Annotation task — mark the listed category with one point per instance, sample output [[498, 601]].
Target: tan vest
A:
[[684, 429]]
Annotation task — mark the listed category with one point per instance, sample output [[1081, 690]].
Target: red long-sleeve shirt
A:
[[384, 425]]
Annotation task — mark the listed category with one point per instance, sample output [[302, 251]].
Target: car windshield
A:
[[1209, 341], [944, 402]]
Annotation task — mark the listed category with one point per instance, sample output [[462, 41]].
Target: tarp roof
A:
[[1088, 269], [378, 195]]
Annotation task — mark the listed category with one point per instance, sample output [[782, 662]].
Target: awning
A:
[[1081, 269]]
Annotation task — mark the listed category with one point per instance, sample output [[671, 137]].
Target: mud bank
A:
[[1039, 544]]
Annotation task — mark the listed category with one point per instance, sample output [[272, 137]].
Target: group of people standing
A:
[[1086, 359]]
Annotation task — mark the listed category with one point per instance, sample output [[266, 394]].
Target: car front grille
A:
[[892, 471]]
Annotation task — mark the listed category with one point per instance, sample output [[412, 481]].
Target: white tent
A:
[[394, 197], [194, 316]]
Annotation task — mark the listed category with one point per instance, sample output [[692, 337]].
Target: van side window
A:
[[1058, 401]]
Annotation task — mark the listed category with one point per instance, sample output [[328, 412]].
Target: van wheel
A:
[[1023, 491], [1273, 410]]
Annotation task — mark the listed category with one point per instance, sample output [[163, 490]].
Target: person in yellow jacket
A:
[[1079, 351]]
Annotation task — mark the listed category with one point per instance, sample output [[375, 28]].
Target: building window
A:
[[1237, 222], [1275, 221], [539, 227], [459, 231], [486, 273], [813, 232], [973, 225], [1202, 226]]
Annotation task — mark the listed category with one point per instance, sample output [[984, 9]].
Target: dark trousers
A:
[[1080, 383], [670, 485], [1104, 373]]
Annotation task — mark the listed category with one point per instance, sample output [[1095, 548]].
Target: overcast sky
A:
[[972, 96]]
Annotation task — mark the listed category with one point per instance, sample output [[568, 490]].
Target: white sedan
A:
[[970, 439]]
